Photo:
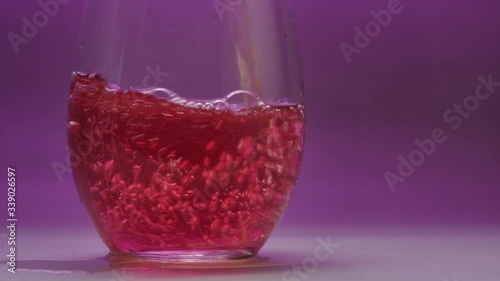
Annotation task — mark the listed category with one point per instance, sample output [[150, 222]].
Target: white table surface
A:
[[375, 253]]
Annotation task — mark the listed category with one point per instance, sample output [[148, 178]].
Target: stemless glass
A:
[[187, 118]]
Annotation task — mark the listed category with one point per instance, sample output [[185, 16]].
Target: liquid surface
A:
[[159, 173]]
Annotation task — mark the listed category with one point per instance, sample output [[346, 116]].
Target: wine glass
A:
[[188, 119]]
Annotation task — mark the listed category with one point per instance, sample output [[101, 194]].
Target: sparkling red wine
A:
[[165, 174]]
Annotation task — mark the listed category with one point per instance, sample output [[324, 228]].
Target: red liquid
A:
[[160, 176]]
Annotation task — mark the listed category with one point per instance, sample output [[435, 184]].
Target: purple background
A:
[[361, 116]]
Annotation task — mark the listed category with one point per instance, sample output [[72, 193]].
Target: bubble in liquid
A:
[[237, 100], [190, 104], [112, 88], [242, 99], [219, 105], [284, 101], [168, 95], [160, 93], [208, 106], [263, 105]]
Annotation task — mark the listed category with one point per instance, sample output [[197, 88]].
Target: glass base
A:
[[191, 256]]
